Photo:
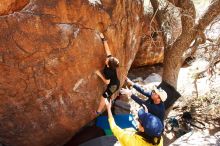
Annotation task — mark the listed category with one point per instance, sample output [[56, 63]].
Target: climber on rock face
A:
[[109, 75]]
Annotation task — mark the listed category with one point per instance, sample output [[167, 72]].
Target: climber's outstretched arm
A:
[[107, 50]]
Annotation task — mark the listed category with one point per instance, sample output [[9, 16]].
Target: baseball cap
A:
[[152, 125], [161, 93]]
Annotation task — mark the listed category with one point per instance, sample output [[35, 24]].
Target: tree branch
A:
[[188, 15], [206, 19], [212, 12]]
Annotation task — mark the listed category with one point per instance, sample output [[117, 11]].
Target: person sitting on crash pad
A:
[[150, 129], [109, 75], [155, 102]]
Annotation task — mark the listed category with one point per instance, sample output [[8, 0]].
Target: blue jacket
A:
[[155, 109]]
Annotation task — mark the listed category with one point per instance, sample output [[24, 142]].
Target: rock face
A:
[[151, 50], [9, 6], [194, 138], [151, 47], [49, 52]]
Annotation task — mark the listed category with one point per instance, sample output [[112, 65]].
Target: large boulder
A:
[[151, 47], [10, 6], [198, 138], [151, 50], [49, 51]]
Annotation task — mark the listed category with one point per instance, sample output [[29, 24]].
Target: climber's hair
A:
[[113, 62]]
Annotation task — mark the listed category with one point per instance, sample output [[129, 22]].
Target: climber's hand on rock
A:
[[101, 35]]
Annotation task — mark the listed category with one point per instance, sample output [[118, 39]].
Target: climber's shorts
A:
[[111, 89]]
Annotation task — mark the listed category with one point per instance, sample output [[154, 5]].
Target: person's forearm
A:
[[107, 50], [116, 130], [103, 78], [137, 99], [109, 113], [140, 90]]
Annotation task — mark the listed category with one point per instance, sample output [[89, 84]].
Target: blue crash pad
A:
[[123, 121]]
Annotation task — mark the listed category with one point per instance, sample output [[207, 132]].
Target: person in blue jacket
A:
[[155, 101]]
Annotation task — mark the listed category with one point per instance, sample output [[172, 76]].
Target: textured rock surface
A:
[[48, 54], [9, 6], [195, 138], [151, 49]]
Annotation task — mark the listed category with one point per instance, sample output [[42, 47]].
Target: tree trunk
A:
[[173, 55], [171, 68]]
